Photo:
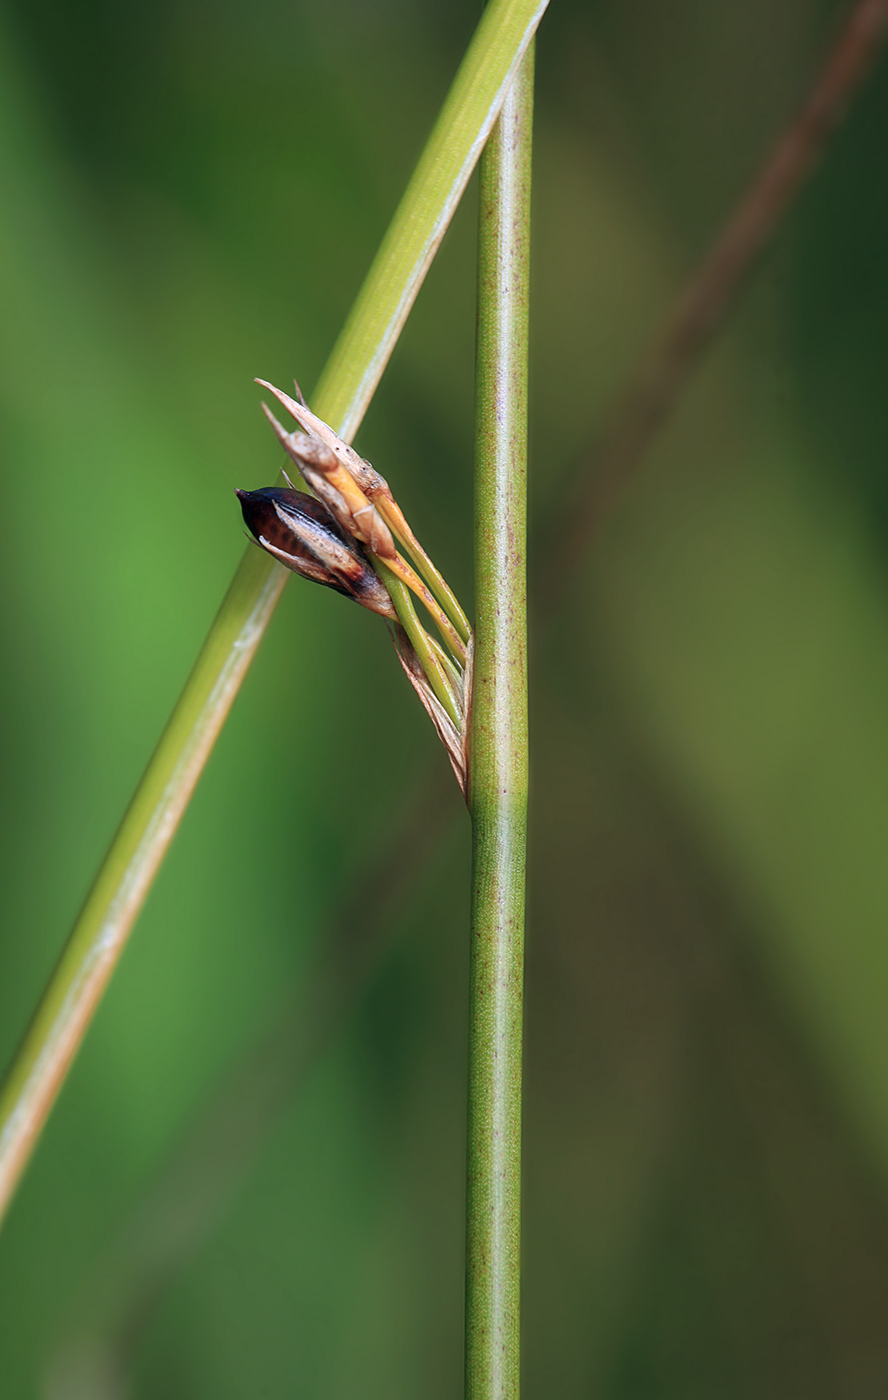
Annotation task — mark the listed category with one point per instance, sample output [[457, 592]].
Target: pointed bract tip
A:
[[278, 427], [293, 408]]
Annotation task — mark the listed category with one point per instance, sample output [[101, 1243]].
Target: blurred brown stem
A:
[[652, 391]]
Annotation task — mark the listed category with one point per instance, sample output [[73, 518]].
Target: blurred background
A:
[[191, 195]]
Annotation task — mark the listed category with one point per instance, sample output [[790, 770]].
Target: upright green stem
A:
[[354, 369], [498, 770]]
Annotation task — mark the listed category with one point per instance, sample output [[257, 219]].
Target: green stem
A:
[[435, 580], [498, 768], [359, 357], [422, 644], [471, 107], [455, 676]]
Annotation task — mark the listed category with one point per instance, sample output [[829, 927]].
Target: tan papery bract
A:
[[455, 741], [352, 477]]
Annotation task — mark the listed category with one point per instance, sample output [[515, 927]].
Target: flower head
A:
[[346, 536]]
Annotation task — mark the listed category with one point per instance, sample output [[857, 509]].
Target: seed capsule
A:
[[301, 532]]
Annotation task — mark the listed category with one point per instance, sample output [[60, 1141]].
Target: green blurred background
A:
[[191, 194]]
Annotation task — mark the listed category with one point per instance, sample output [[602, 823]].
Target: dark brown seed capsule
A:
[[301, 532]]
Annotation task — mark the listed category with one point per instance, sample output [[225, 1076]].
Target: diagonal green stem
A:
[[451, 154], [359, 357], [498, 769]]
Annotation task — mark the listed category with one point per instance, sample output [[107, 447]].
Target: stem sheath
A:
[[498, 769]]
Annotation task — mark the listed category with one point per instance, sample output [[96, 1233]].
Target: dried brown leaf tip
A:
[[346, 535]]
